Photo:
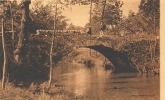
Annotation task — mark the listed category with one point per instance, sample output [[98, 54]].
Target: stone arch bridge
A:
[[66, 43]]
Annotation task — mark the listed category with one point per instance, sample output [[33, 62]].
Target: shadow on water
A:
[[126, 75], [89, 64], [109, 67], [117, 58], [93, 81]]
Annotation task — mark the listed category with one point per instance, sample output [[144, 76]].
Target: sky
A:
[[79, 15]]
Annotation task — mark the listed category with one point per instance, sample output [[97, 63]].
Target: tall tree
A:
[[20, 51], [151, 11], [5, 12], [43, 16], [109, 13]]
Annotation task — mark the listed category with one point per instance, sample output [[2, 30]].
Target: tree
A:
[[20, 51], [43, 16], [71, 27], [145, 21], [5, 13], [151, 10], [55, 21], [5, 55], [110, 14], [134, 23]]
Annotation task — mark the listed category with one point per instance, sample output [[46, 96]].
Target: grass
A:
[[36, 92]]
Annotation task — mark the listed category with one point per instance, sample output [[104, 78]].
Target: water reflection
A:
[[95, 83]]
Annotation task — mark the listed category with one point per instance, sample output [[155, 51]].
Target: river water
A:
[[96, 83]]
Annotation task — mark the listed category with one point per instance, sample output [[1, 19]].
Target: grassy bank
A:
[[36, 92]]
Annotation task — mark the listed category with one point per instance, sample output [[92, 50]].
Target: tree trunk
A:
[[51, 51], [12, 33], [4, 54], [102, 15], [20, 51], [155, 40]]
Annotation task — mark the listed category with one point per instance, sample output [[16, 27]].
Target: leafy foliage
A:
[[111, 16], [43, 17], [146, 20]]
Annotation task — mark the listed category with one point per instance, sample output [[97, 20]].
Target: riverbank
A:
[[36, 92]]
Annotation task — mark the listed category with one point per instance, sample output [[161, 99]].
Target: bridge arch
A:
[[82, 56], [118, 59]]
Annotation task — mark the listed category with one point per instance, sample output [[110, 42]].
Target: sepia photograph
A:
[[81, 50]]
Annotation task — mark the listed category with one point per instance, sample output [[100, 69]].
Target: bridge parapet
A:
[[79, 40]]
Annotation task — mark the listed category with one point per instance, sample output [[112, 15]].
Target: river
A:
[[96, 83]]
